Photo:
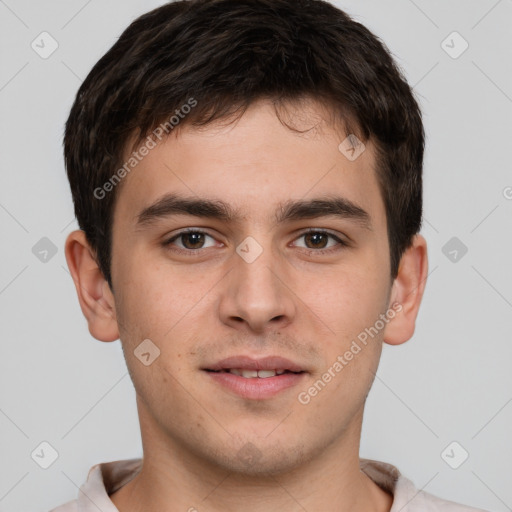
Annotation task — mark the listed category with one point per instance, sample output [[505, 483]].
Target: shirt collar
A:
[[106, 478]]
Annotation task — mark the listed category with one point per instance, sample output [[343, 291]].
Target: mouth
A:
[[241, 363], [253, 374], [255, 379]]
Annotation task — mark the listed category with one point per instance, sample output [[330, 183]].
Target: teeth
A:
[[266, 373], [248, 374], [251, 374]]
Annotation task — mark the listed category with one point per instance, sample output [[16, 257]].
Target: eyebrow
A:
[[172, 204]]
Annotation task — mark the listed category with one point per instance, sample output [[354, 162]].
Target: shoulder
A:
[[70, 506], [406, 496], [415, 500], [427, 502]]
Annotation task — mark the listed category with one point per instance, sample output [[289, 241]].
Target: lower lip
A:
[[256, 388]]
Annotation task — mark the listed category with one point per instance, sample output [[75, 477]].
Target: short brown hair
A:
[[226, 54]]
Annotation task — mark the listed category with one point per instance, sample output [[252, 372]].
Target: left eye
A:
[[319, 240]]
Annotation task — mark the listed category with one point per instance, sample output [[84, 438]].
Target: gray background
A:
[[451, 382]]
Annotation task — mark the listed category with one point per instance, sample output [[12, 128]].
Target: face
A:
[[252, 276]]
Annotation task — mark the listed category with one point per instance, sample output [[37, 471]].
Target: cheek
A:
[[346, 299], [155, 296]]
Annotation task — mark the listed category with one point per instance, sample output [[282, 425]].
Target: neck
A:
[[173, 478]]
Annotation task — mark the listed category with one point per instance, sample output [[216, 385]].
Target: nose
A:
[[257, 296]]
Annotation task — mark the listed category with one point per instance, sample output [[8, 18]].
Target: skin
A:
[[291, 301]]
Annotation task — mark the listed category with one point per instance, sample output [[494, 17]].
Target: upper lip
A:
[[249, 363]]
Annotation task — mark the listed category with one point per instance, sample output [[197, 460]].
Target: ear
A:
[[407, 292], [94, 294]]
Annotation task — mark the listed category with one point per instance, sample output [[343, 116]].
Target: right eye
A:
[[189, 240]]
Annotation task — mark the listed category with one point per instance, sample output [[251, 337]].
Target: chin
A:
[[260, 458]]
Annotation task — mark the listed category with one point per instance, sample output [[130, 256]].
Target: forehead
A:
[[254, 164]]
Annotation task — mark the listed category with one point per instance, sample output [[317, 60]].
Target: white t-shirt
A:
[[106, 478]]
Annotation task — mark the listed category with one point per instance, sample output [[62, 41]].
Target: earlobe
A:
[[94, 294], [407, 292]]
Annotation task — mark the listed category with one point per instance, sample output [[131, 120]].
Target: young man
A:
[[247, 179]]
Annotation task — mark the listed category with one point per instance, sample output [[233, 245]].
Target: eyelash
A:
[[341, 243]]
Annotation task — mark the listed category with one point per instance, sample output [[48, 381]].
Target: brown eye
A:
[[191, 240], [316, 240], [321, 241]]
